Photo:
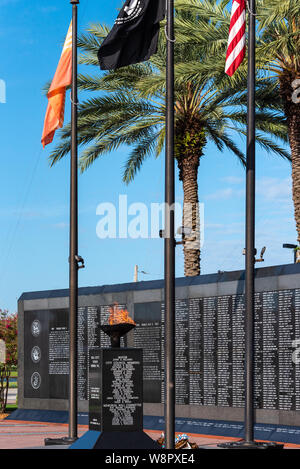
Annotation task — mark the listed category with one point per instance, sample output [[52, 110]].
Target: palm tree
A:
[[279, 53], [129, 108]]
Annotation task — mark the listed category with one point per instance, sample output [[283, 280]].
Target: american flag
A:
[[237, 37]]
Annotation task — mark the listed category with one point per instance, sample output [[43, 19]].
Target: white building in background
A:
[[2, 91]]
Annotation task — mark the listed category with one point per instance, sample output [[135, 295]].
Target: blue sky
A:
[[34, 198]]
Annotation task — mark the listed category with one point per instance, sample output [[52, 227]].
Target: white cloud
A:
[[223, 194], [275, 189], [233, 180], [268, 189], [227, 228]]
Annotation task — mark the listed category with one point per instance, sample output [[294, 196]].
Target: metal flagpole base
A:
[[243, 444], [60, 441]]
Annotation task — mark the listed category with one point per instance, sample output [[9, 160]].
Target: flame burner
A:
[[116, 331]]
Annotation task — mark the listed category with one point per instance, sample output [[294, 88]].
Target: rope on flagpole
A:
[[166, 34], [75, 104], [249, 10]]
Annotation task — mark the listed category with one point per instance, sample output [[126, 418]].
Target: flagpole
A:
[[249, 421], [248, 442], [73, 263], [74, 259], [250, 233], [169, 405]]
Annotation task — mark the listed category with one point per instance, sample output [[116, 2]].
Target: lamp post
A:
[[291, 246]]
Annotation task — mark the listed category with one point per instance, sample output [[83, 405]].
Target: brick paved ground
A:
[[21, 435], [210, 441]]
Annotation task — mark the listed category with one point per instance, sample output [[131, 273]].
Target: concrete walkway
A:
[[12, 395]]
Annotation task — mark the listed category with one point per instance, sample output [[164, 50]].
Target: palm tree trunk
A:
[[292, 112], [294, 137], [188, 167]]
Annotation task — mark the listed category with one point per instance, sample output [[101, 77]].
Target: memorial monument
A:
[[116, 392], [210, 345]]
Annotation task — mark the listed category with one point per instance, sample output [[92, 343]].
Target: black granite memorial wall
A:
[[210, 346], [209, 343]]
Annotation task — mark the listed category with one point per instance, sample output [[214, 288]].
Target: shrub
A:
[[9, 334]]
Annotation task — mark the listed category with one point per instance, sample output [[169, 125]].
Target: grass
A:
[[9, 409], [13, 384]]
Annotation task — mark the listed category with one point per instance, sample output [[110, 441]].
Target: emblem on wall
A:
[[36, 380], [36, 354], [36, 328]]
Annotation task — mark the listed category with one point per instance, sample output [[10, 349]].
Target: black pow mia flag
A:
[[134, 36]]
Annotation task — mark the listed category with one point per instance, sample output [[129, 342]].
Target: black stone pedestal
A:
[[116, 401], [115, 440]]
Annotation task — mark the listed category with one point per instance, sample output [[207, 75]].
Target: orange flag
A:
[[57, 93]]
